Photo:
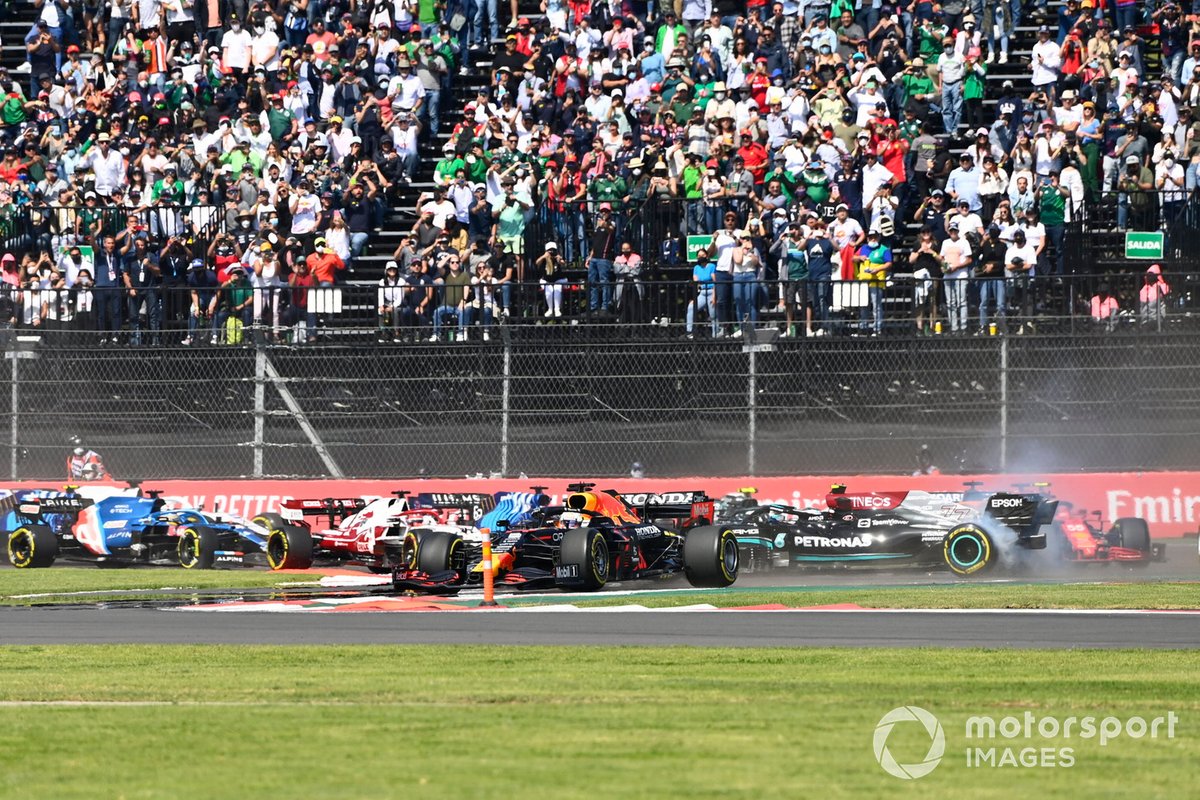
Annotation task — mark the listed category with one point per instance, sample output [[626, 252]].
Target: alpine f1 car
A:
[[966, 534], [361, 532], [122, 526], [595, 537]]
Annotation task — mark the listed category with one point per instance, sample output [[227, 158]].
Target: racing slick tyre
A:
[[587, 551], [197, 547], [438, 552], [710, 557], [1132, 532], [289, 547], [969, 550], [32, 546], [272, 522]]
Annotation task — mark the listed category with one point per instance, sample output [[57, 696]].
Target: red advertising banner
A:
[[1169, 501]]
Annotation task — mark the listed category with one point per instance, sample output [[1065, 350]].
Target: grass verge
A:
[[59, 581], [568, 722], [1083, 595]]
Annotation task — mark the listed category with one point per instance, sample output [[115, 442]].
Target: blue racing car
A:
[[122, 526]]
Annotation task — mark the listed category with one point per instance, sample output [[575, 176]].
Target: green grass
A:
[[63, 580], [569, 722], [1082, 595]]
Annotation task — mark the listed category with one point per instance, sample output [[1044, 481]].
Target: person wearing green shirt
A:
[[445, 170], [280, 121], [169, 187], [691, 176], [509, 225], [242, 154], [930, 38], [608, 187], [918, 86], [1052, 211], [973, 82], [815, 182]]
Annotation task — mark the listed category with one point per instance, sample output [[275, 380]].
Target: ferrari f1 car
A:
[[966, 534], [122, 526], [359, 532], [594, 538], [1078, 537]]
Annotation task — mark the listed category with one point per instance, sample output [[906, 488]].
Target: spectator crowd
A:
[[211, 166]]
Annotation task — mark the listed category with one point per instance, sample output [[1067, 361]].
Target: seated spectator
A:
[[1104, 308]]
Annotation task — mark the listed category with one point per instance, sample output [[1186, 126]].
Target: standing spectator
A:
[[705, 299], [872, 264], [1052, 201], [550, 266], [926, 264], [1020, 265], [989, 272], [456, 291], [1046, 62], [110, 283], [232, 307], [202, 286], [627, 269], [747, 265], [951, 70], [956, 261], [1152, 296], [794, 271], [143, 281], [324, 263], [600, 262]]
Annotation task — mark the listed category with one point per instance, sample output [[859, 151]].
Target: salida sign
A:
[[1169, 501]]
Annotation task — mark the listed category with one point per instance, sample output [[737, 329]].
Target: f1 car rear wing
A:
[[694, 506], [1024, 513], [335, 508], [476, 504], [36, 506]]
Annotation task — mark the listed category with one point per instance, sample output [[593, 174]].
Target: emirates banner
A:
[[1169, 501]]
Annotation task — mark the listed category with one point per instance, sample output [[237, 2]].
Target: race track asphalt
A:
[[1001, 629]]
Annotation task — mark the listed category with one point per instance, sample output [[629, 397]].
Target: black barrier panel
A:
[[557, 407]]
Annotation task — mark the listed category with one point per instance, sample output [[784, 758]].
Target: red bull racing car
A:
[[594, 538]]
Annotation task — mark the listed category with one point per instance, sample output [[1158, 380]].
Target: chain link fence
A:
[[580, 404]]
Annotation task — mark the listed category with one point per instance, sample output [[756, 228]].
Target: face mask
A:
[[637, 172], [245, 223]]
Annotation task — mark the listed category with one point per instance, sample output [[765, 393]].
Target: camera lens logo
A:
[[937, 746]]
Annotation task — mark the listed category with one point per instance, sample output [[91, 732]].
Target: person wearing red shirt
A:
[[754, 155], [324, 263], [759, 81]]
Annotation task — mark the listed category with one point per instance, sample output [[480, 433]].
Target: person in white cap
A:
[[549, 267]]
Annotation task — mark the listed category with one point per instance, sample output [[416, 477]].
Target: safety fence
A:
[[631, 307], [554, 405]]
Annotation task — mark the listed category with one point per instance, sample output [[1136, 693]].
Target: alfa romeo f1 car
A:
[[966, 534], [594, 538], [361, 532], [122, 526]]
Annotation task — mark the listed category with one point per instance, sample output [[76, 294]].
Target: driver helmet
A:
[[572, 519]]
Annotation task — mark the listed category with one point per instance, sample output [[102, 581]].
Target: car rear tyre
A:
[[710, 557], [587, 551], [272, 522], [969, 550], [32, 547], [290, 547], [197, 547]]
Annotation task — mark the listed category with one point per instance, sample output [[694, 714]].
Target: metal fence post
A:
[[14, 434], [1004, 404], [504, 410], [752, 411], [260, 410]]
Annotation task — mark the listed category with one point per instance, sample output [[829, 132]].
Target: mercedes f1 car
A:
[[596, 537], [966, 534], [361, 532], [122, 526]]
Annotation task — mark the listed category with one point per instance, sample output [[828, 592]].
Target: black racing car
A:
[[965, 533], [594, 538]]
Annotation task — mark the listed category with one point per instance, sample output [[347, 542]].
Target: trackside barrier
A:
[[1169, 501]]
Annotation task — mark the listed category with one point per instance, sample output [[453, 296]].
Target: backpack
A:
[[233, 330]]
